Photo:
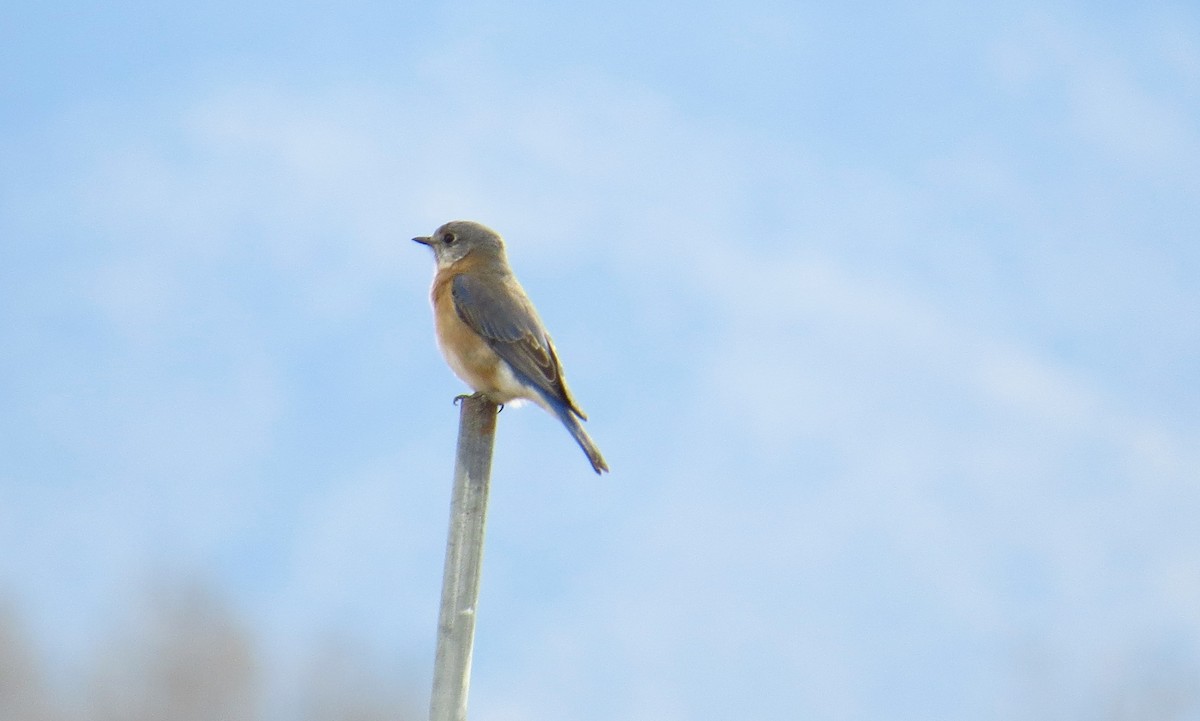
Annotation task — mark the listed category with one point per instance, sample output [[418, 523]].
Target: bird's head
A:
[[459, 238]]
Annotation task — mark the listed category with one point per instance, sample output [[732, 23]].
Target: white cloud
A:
[[1140, 126]]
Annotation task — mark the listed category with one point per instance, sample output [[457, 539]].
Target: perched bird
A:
[[489, 331]]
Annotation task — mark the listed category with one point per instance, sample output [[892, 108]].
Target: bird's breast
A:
[[467, 353]]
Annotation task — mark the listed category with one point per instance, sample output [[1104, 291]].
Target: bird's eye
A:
[[450, 238]]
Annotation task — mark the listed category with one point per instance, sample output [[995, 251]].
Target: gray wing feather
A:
[[505, 318]]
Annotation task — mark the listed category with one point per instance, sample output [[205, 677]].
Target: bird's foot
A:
[[478, 395]]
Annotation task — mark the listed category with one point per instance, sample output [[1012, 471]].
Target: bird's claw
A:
[[478, 395]]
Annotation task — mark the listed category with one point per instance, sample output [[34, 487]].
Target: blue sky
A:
[[887, 318]]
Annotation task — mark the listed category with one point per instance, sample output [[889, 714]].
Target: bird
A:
[[489, 332]]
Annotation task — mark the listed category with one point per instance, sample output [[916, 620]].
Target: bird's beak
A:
[[423, 240]]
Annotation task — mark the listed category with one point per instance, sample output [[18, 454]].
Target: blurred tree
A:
[[22, 692], [184, 658], [183, 655], [343, 685]]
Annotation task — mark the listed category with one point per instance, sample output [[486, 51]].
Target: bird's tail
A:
[[583, 439]]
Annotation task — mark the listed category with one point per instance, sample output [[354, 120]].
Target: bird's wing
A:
[[505, 318]]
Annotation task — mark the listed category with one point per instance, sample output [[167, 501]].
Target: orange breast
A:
[[468, 355]]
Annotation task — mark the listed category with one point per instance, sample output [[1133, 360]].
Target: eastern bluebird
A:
[[490, 333]]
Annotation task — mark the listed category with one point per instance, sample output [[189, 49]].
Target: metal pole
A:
[[464, 559]]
